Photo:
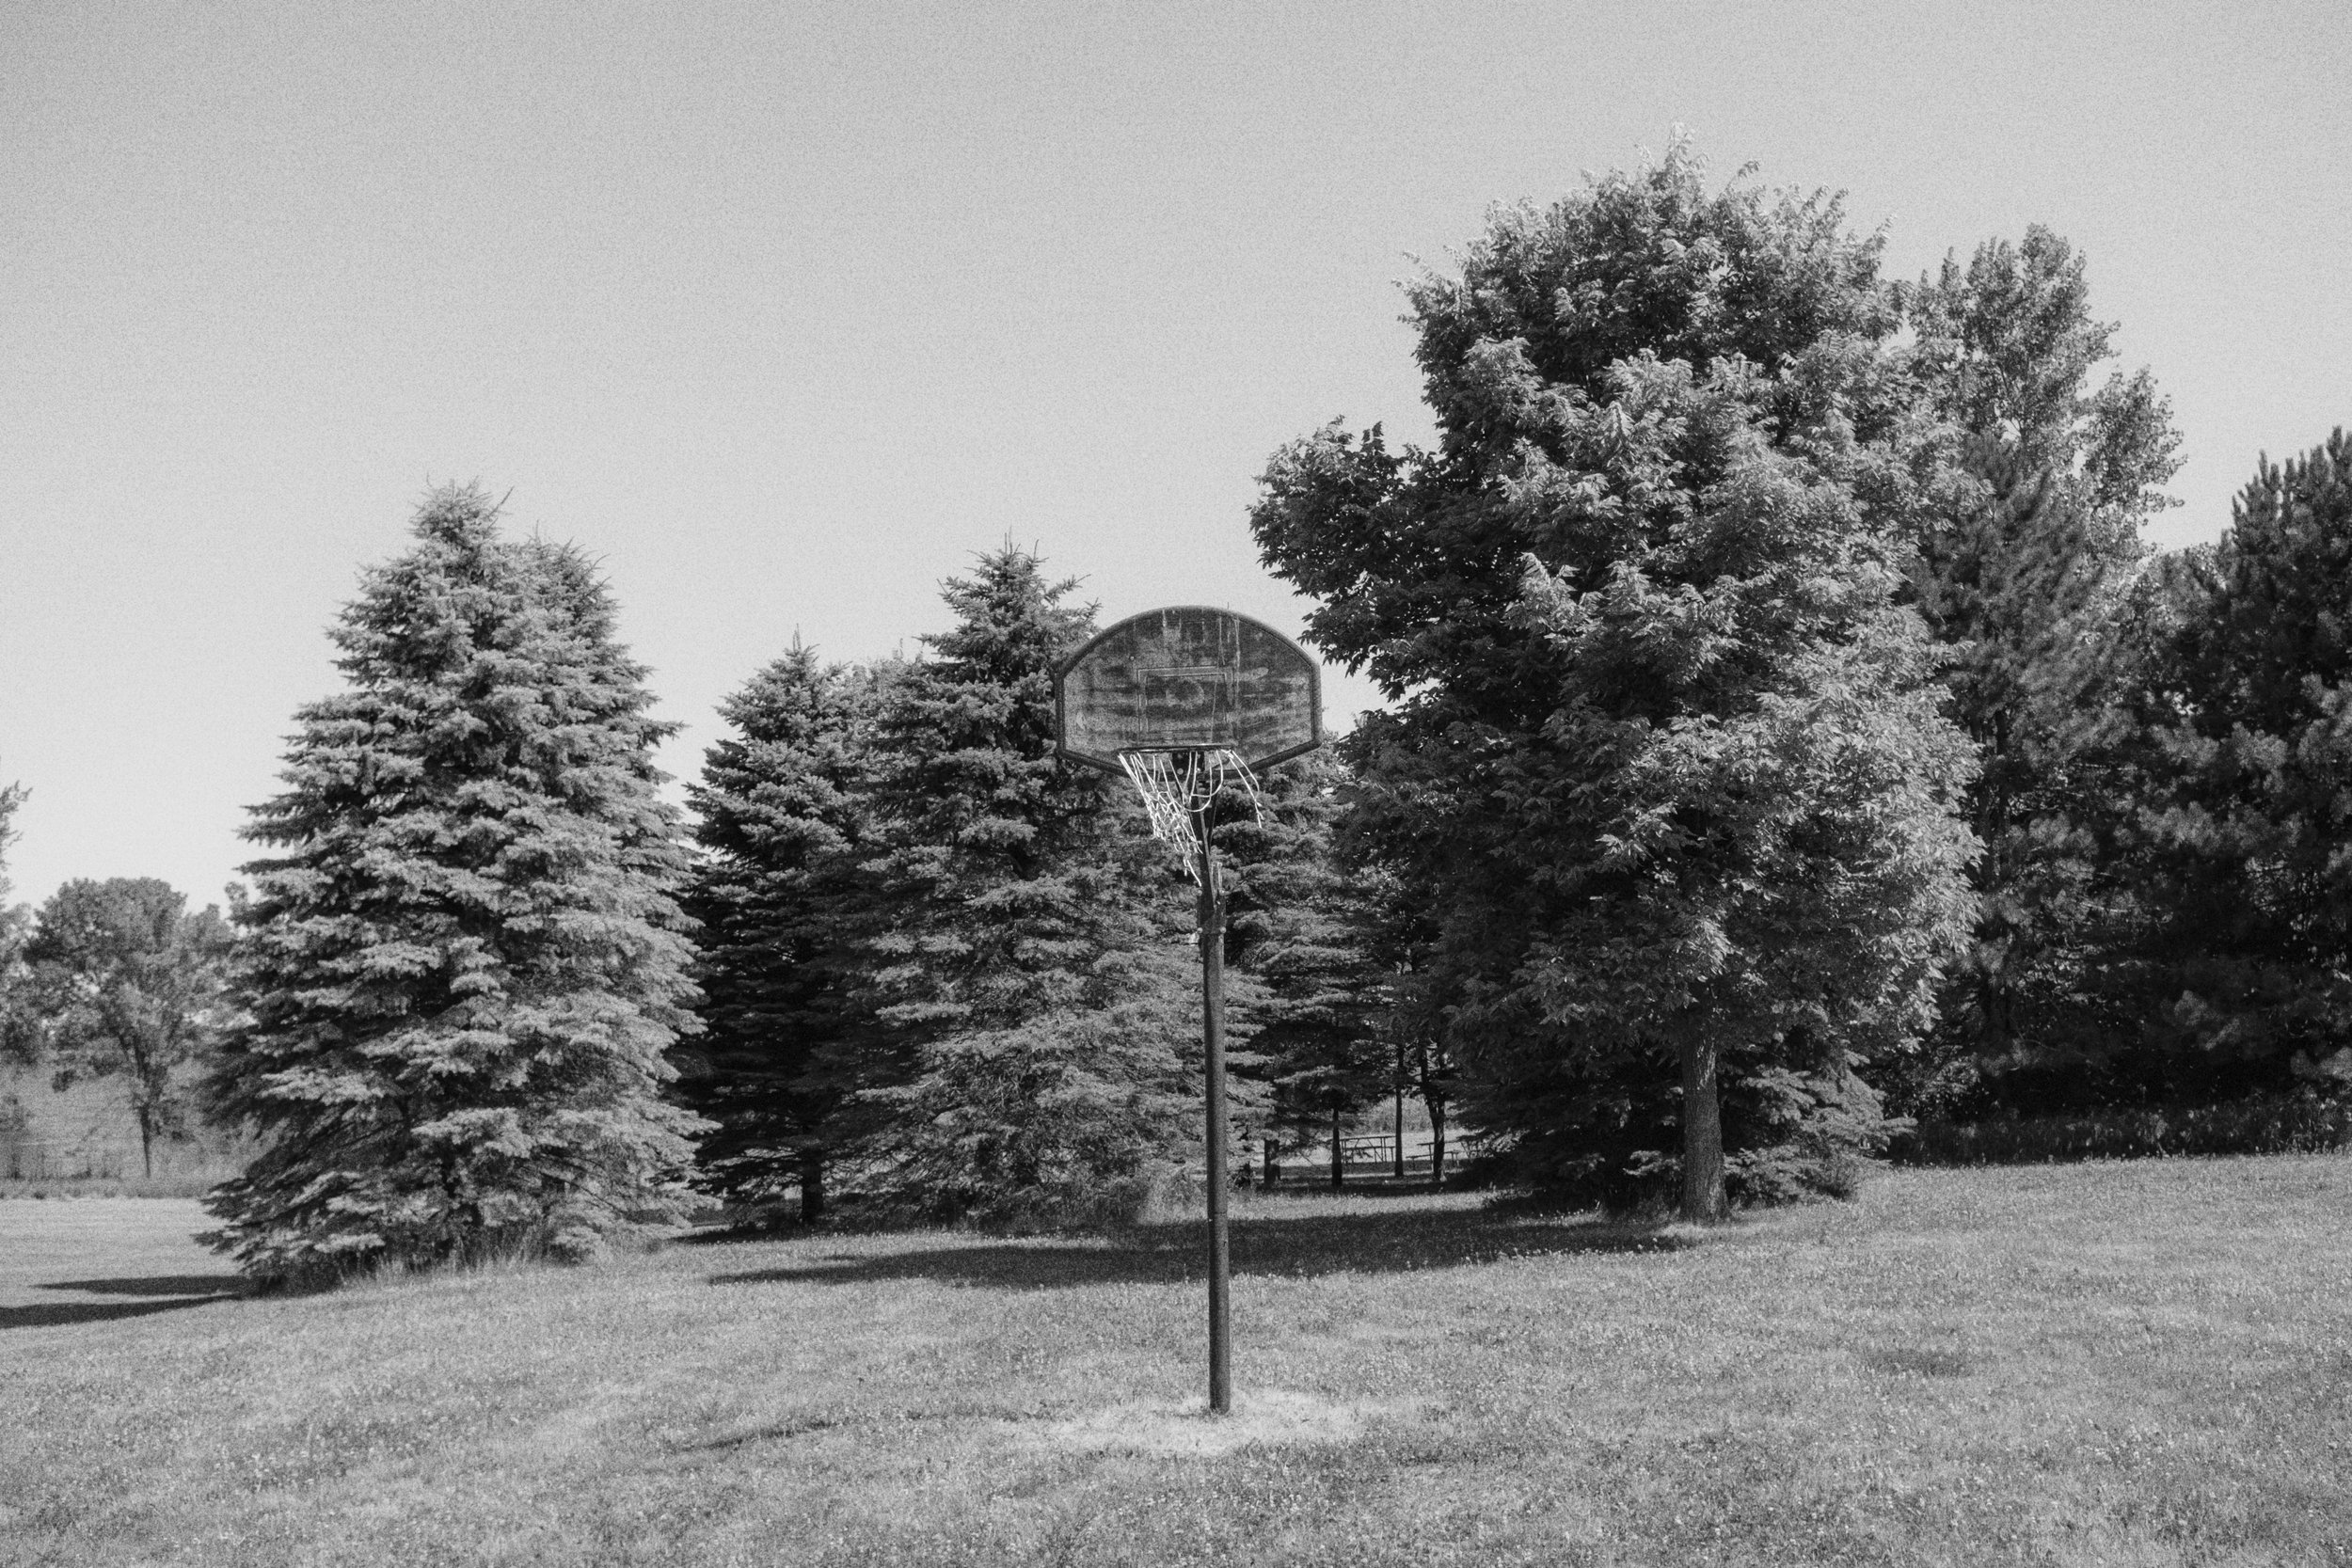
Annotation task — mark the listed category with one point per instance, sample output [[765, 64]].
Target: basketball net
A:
[[1175, 786]]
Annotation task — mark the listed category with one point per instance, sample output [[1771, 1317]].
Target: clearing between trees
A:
[[2125, 1363]]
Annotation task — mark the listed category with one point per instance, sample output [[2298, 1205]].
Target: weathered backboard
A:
[[1189, 679]]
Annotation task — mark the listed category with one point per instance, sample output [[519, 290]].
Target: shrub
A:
[[2270, 1125]]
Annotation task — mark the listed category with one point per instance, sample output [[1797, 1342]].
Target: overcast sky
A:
[[784, 310]]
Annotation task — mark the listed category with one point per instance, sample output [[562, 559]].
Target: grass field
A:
[[2141, 1363]]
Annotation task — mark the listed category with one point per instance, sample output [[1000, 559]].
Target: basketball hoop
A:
[[1178, 787], [1189, 703]]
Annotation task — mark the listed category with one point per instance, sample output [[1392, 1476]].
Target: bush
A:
[[2270, 1125]]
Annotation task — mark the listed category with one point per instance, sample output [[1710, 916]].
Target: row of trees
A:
[[936, 955], [1780, 690], [1786, 731]]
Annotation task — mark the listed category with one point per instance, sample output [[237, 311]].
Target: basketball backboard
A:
[[1189, 678]]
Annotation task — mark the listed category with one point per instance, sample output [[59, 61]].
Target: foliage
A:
[[123, 982], [1665, 753], [2249, 713], [2264, 1124], [2022, 568], [784, 813], [465, 965], [1302, 927], [1025, 965], [18, 1038]]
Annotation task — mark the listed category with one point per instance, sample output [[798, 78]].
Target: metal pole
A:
[[1212, 1037], [1398, 1123]]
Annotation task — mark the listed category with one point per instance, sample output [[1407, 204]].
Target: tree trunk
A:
[[1703, 1198], [147, 1140], [1436, 1144], [812, 1186], [1339, 1176]]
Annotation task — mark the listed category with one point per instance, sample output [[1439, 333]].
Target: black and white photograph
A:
[[1391, 785]]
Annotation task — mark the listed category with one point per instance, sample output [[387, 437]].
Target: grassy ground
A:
[[2143, 1363]]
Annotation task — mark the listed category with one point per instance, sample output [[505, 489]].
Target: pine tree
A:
[[466, 962], [1026, 969], [784, 813], [2248, 825], [1665, 753], [2022, 568]]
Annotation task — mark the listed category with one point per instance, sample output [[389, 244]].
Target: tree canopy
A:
[[124, 983], [16, 1034], [2250, 819], [1665, 752], [2020, 571]]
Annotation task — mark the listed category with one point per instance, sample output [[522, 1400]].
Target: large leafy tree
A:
[[1023, 965], [2022, 569], [124, 983], [466, 963], [783, 813], [2249, 715], [1665, 753]]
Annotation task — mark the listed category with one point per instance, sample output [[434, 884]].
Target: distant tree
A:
[[2248, 716], [1664, 752], [16, 1033], [783, 813], [1021, 965], [124, 984], [1413, 1019], [2022, 567], [1301, 928], [11, 801], [465, 968]]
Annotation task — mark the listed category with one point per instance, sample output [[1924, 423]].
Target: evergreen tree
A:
[[2022, 569], [1301, 929], [1665, 753], [1399, 945], [784, 813], [2250, 830], [1025, 965], [124, 983], [465, 966]]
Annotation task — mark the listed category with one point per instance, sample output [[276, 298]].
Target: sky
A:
[[785, 312]]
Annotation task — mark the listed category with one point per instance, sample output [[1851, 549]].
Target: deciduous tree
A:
[[126, 984], [1664, 752], [17, 1034]]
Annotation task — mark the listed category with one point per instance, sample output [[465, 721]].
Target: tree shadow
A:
[[141, 1297], [1306, 1245], [156, 1285]]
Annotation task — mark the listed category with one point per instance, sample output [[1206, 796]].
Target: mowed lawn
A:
[[2132, 1362]]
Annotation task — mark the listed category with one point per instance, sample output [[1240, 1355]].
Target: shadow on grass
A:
[[156, 1285], [141, 1297], [1304, 1245]]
